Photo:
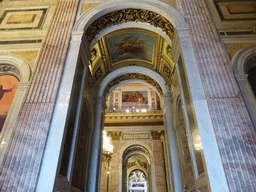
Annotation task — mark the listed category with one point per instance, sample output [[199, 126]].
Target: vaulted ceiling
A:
[[130, 47]]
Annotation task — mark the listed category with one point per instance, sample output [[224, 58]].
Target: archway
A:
[[244, 61], [190, 85]]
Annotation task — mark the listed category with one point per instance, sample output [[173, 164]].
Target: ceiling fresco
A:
[[130, 47]]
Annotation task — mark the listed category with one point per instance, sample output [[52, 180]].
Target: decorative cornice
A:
[[133, 76], [129, 15]]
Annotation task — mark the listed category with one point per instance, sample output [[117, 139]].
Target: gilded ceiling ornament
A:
[[133, 76], [98, 73], [128, 15], [167, 71], [115, 135], [93, 54]]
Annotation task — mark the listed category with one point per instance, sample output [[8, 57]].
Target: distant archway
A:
[[244, 63]]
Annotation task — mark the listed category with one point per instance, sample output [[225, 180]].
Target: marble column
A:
[[114, 169], [173, 148], [23, 157], [96, 148], [103, 177], [233, 127], [160, 178]]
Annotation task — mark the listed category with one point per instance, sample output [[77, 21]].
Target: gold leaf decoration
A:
[[156, 135], [129, 15], [133, 76]]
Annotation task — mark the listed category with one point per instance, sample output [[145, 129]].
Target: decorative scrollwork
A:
[[98, 73], [156, 135], [5, 68], [167, 71], [129, 15], [133, 76]]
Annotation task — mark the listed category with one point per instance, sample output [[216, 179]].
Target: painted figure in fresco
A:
[[3, 91], [131, 45]]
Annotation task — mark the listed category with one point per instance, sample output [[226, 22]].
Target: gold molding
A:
[[133, 76], [115, 135], [129, 15], [156, 135]]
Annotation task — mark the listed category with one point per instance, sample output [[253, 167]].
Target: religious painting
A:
[[134, 99], [8, 87], [128, 46]]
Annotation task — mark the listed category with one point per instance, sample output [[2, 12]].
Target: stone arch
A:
[[137, 167], [240, 62], [159, 7], [16, 66], [241, 58], [182, 38], [133, 153], [151, 155], [133, 69]]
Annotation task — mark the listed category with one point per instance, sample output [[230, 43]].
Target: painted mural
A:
[[131, 46], [134, 98], [8, 88]]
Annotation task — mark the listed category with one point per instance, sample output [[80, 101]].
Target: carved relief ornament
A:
[[6, 68], [129, 15], [133, 76]]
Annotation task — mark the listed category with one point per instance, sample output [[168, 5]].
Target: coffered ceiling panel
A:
[[236, 10]]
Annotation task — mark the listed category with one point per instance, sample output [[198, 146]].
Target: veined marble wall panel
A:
[[23, 26], [161, 182], [27, 143], [25, 20], [232, 125]]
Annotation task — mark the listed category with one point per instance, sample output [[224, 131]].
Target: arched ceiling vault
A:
[[131, 46]]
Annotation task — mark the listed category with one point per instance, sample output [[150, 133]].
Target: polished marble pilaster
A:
[[173, 148], [235, 134], [23, 157]]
